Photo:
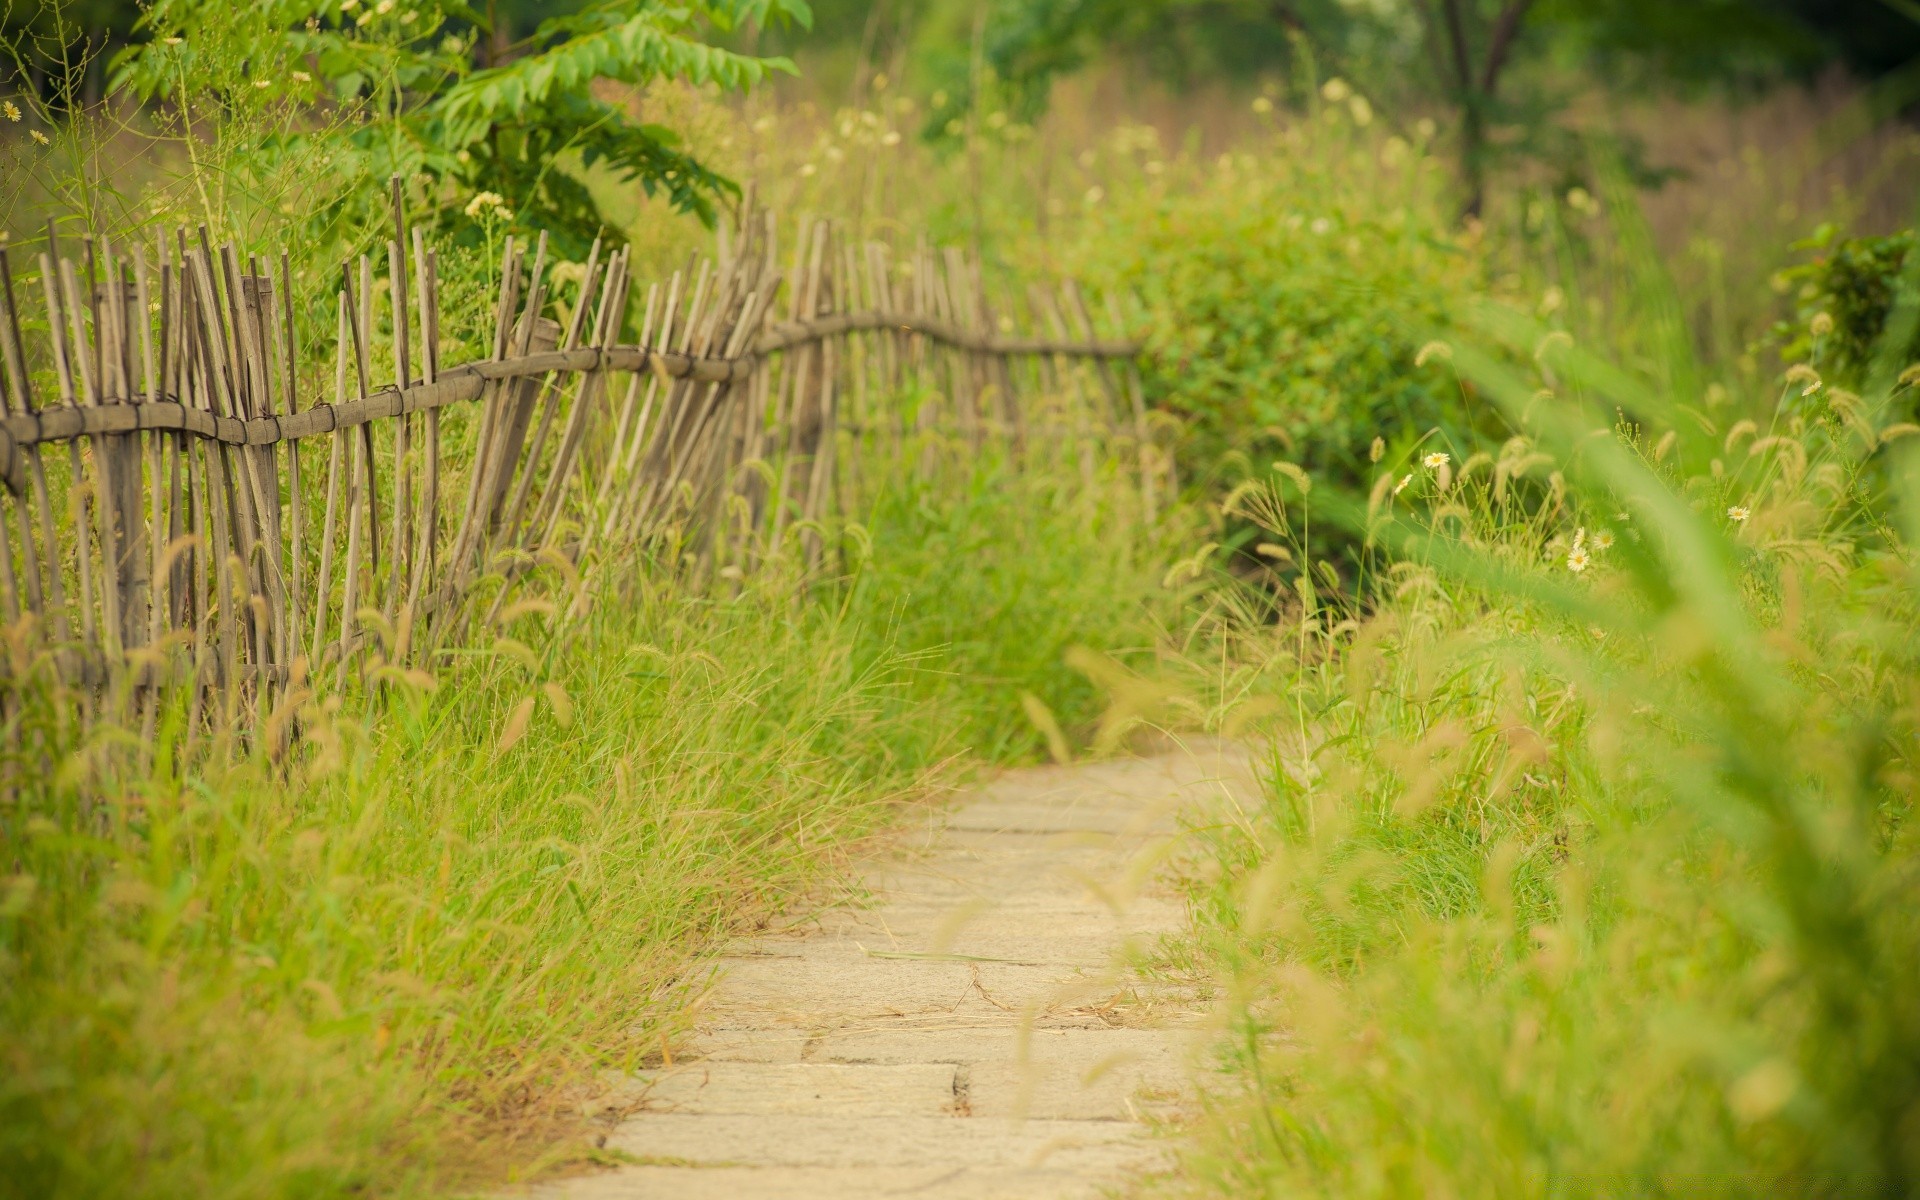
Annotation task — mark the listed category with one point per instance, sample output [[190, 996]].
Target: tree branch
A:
[[1457, 34], [1505, 29]]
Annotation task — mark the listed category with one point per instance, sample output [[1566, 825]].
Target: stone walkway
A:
[[976, 1032]]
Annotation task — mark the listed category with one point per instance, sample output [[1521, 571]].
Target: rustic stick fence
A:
[[175, 515]]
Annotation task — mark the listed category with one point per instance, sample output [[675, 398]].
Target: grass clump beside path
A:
[[1586, 865], [391, 970]]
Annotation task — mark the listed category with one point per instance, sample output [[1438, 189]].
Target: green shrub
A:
[[1287, 296]]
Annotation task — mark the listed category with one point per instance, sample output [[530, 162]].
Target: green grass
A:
[[391, 969], [1592, 882]]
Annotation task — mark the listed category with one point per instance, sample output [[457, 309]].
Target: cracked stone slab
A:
[[786, 1140], [838, 1183], [799, 1088]]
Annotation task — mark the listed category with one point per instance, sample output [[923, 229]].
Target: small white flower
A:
[[1738, 513], [302, 77], [1577, 560], [1402, 485], [1603, 539], [1436, 460], [263, 84]]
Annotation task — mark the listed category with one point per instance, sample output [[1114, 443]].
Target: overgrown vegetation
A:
[[1586, 862], [393, 969], [1568, 617]]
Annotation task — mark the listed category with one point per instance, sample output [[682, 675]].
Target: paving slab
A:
[[841, 1183], [920, 1089], [724, 1139]]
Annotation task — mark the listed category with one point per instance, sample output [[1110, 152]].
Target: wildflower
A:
[[173, 41], [1333, 91], [1262, 105], [1402, 485], [1603, 539], [487, 206], [1580, 537], [348, 5], [263, 84], [1320, 225], [302, 77], [1577, 559], [890, 138], [1738, 513], [11, 110], [40, 137], [384, 7], [1822, 324], [1436, 460]]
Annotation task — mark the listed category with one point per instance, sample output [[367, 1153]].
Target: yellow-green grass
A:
[[393, 967], [1585, 864]]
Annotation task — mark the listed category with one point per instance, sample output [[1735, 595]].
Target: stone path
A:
[[976, 1032]]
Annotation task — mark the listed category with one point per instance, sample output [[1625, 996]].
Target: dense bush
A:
[[1288, 296]]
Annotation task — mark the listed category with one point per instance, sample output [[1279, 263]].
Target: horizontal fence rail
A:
[[178, 517], [468, 382]]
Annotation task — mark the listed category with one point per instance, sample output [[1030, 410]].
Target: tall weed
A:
[[1586, 865]]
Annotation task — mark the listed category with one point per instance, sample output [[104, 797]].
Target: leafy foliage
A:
[[1854, 283], [414, 100]]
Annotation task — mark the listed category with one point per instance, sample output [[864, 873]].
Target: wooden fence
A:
[[175, 514]]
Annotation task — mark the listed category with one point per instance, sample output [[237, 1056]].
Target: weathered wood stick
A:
[[323, 589]]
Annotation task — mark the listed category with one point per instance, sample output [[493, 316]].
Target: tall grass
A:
[[392, 968], [1586, 863]]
